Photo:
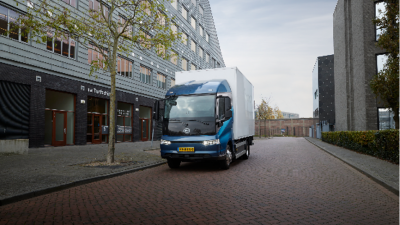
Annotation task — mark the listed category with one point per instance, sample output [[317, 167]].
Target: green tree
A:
[[110, 27], [385, 84]]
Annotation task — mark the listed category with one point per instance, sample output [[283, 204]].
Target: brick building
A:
[[299, 127], [48, 98]]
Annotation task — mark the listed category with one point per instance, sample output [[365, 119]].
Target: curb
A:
[[37, 193], [388, 187]]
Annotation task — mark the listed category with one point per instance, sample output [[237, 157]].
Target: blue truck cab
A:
[[198, 124]]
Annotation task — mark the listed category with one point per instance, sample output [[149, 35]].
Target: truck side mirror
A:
[[228, 114]]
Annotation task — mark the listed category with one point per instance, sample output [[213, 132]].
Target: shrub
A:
[[383, 144]]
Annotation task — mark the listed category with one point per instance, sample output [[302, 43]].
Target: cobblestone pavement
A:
[[285, 181], [44, 168]]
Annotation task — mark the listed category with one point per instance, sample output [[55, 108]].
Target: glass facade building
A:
[[72, 108]]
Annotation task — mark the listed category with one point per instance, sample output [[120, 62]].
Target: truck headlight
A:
[[165, 142], [211, 142]]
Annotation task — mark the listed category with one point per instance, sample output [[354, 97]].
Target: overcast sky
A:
[[275, 45]]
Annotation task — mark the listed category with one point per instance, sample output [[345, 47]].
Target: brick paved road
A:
[[285, 181]]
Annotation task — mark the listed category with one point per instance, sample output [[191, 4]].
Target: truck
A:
[[208, 115]]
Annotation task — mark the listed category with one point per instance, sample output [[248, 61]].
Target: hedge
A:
[[383, 144]]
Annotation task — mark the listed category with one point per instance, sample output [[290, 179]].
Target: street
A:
[[285, 181]]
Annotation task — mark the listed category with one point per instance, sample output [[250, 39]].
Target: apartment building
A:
[[357, 59], [48, 97]]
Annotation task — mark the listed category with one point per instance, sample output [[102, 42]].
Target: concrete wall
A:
[[355, 64], [19, 146]]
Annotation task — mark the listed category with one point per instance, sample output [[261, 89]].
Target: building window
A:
[[380, 62], [207, 58], [146, 6], [94, 55], [201, 31], [201, 11], [379, 6], [128, 30], [175, 4], [161, 50], [201, 52], [185, 39], [8, 18], [144, 40], [145, 75], [207, 37], [161, 18], [172, 82], [184, 64], [385, 118], [124, 122], [71, 2], [193, 22], [124, 67], [194, 2], [174, 28], [160, 81], [214, 63], [96, 6], [192, 67], [174, 58], [184, 13], [193, 46], [63, 45]]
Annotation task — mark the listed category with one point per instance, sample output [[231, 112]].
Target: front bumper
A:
[[191, 157], [201, 152]]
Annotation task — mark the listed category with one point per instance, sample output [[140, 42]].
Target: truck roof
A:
[[200, 87]]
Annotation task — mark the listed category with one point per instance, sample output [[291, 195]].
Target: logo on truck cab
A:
[[186, 131]]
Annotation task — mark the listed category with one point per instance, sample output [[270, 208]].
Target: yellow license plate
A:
[[186, 149]]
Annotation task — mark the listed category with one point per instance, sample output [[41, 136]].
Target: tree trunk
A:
[[111, 135], [396, 117]]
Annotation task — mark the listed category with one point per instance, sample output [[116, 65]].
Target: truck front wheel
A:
[[228, 158], [247, 154], [173, 163]]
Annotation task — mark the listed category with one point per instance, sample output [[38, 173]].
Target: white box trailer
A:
[[242, 95]]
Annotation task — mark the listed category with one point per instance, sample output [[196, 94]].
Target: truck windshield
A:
[[190, 107]]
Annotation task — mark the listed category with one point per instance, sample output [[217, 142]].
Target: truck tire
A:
[[174, 163], [247, 154], [228, 158]]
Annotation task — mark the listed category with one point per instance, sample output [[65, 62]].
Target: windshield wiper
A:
[[175, 120], [203, 122]]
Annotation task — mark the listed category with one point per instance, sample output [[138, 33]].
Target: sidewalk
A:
[[44, 170], [382, 172]]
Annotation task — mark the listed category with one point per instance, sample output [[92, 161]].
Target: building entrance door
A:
[[59, 128], [96, 129], [144, 128]]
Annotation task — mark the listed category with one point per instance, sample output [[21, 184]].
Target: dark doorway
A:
[[59, 128], [144, 124]]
